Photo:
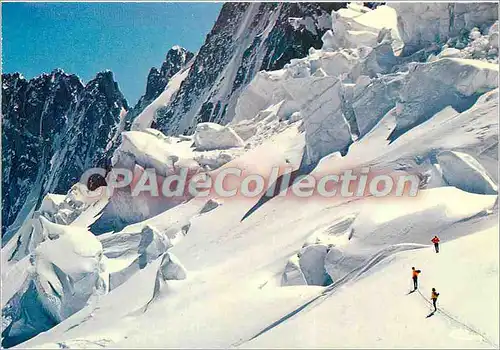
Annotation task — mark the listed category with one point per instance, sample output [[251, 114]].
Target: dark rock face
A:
[[53, 129], [373, 4], [246, 38], [176, 59]]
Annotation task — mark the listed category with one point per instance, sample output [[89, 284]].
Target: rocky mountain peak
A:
[[176, 58], [54, 128]]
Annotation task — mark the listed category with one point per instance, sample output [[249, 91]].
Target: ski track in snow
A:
[[442, 311], [329, 290]]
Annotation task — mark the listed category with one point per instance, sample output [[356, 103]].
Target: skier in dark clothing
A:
[[434, 298], [414, 276], [435, 240]]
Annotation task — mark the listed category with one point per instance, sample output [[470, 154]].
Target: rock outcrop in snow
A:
[[210, 205], [146, 118]]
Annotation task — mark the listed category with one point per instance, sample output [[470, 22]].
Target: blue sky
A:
[[84, 38]]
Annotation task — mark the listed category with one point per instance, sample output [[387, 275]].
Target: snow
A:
[[147, 116], [119, 129], [152, 151], [213, 262], [288, 272], [77, 208], [463, 171], [219, 249], [150, 148], [312, 265], [210, 136], [399, 319], [165, 156], [78, 241], [421, 23], [339, 109], [65, 273], [51, 202], [449, 52], [477, 45], [151, 245], [292, 274], [301, 23], [359, 26]]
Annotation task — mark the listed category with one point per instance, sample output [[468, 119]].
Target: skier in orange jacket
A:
[[435, 240], [414, 276], [434, 298]]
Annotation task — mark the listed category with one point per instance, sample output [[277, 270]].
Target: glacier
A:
[[400, 88]]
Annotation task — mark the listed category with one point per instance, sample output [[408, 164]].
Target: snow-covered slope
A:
[[232, 264], [285, 271], [380, 309]]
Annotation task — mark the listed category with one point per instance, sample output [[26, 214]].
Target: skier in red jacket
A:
[[435, 240]]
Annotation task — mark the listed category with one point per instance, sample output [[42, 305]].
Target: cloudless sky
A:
[[85, 38]]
